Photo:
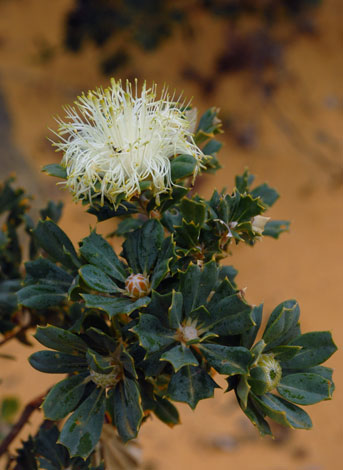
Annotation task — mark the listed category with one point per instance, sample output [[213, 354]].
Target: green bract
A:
[[131, 350]]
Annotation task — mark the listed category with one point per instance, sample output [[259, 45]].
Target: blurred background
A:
[[274, 68]]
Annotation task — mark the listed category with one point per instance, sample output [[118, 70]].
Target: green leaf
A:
[[98, 363], [55, 169], [106, 211], [248, 337], [165, 255], [152, 335], [227, 360], [166, 411], [63, 397], [193, 211], [127, 409], [283, 412], [257, 419], [56, 243], [114, 305], [141, 247], [212, 147], [284, 353], [243, 390], [274, 228], [127, 225], [304, 388], [40, 296], [97, 251], [82, 431], [57, 363], [59, 339], [180, 356], [268, 195], [230, 316], [317, 347], [282, 320], [191, 384], [175, 310], [96, 279], [182, 166]]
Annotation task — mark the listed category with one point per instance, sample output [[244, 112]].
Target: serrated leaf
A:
[[274, 228], [304, 388], [230, 316], [165, 255], [180, 356], [227, 360], [114, 305], [63, 397], [56, 243], [175, 310], [283, 412], [59, 339], [182, 166], [166, 411], [96, 279], [53, 362], [191, 384], [317, 347], [55, 169], [82, 431], [257, 419], [152, 335], [268, 195], [248, 337], [40, 296], [127, 409], [106, 211], [97, 251], [282, 321]]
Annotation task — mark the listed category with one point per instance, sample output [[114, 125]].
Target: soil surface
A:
[[294, 143]]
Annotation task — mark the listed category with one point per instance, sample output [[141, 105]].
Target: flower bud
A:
[[137, 286]]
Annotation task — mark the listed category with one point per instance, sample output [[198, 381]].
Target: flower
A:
[[114, 139]]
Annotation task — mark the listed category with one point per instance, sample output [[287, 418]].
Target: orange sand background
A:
[[305, 264]]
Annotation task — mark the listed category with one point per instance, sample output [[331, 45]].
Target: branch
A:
[[28, 410], [14, 334]]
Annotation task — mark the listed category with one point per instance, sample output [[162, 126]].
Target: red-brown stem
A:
[[27, 412], [14, 334]]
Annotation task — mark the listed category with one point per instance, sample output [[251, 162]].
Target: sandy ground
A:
[[297, 151]]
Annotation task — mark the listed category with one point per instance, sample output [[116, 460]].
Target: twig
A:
[[14, 334], [28, 410]]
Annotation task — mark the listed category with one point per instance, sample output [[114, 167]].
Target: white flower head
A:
[[114, 139]]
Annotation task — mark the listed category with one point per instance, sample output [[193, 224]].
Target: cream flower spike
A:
[[114, 139]]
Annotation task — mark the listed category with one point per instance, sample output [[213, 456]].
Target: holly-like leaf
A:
[[274, 228], [165, 255], [180, 356], [317, 347], [114, 305], [283, 412], [268, 195], [281, 323], [56, 244], [59, 339], [82, 431], [97, 251], [53, 362], [126, 407], [227, 360], [152, 335], [41, 296], [96, 279], [248, 337], [64, 397], [304, 388], [182, 166], [166, 411], [191, 384], [55, 169], [230, 316]]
